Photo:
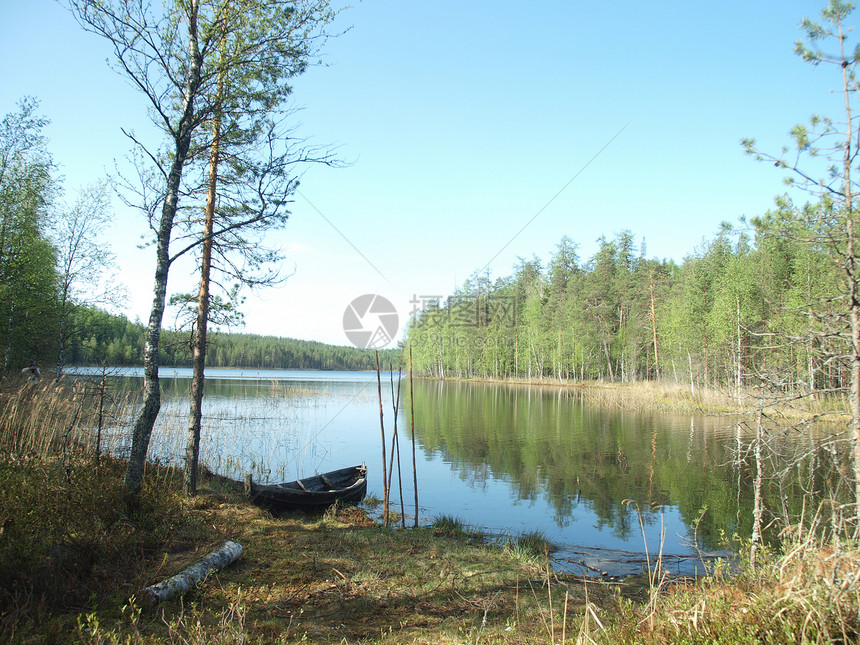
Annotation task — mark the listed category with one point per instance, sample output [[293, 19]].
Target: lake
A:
[[505, 458]]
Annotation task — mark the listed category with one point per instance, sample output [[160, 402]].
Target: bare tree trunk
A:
[[151, 389], [739, 374], [692, 382], [7, 358], [195, 412], [705, 344], [855, 361], [194, 575], [516, 352], [851, 266], [62, 333], [811, 345], [608, 360], [654, 328], [758, 508]]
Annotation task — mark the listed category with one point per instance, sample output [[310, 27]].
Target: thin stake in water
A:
[[395, 443], [412, 414], [382, 430]]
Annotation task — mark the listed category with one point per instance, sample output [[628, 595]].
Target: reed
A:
[[668, 396], [807, 592], [448, 525], [532, 544], [264, 433], [650, 395], [45, 419], [78, 418]]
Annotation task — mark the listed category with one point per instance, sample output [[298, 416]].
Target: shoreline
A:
[[675, 397]]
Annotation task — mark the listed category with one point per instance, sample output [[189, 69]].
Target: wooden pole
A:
[[412, 415], [395, 443], [382, 429]]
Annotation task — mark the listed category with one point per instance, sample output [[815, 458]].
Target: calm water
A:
[[509, 459]]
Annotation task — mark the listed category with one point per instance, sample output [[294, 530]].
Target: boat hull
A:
[[346, 486]]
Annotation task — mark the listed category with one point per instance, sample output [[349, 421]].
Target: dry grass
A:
[[790, 599], [333, 579], [666, 396], [68, 541], [650, 395], [40, 420]]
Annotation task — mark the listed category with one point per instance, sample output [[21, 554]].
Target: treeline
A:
[[97, 336], [759, 305]]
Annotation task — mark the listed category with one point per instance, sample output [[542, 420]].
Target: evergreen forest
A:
[[760, 303], [116, 341]]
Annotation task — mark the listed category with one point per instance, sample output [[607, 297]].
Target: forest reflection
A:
[[546, 443]]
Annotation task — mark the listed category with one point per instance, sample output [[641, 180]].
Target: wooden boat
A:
[[347, 486]]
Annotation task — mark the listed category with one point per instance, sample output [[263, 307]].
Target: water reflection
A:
[[594, 470], [598, 471], [504, 457]]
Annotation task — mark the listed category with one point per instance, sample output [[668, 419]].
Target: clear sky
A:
[[462, 121]]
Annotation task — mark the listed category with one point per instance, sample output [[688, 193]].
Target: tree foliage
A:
[[28, 280], [83, 263], [715, 316]]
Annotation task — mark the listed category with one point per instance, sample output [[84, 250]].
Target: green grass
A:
[[532, 544], [449, 526], [68, 539]]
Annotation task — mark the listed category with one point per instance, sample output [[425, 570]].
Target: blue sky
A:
[[461, 121]]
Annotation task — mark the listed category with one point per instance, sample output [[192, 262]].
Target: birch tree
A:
[[172, 54], [83, 262]]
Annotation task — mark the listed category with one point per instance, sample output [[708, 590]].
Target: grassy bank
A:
[[74, 558], [339, 578]]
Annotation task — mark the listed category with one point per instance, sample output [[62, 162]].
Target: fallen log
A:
[[184, 581]]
